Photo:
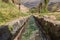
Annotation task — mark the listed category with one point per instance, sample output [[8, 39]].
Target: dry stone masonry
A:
[[51, 27], [10, 30]]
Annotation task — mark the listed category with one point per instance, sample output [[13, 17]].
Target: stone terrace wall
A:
[[51, 27], [10, 30]]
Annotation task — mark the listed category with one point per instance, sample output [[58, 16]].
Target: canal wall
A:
[[10, 30], [51, 28]]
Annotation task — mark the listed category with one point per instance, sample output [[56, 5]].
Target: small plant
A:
[[10, 28], [33, 10], [8, 12]]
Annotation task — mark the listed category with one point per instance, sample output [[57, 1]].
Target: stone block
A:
[[4, 33]]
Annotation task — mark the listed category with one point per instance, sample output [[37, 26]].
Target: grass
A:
[[9, 11], [56, 14], [44, 10]]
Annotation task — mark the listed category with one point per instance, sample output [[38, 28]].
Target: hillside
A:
[[8, 11]]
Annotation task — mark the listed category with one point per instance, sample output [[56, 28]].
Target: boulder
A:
[[24, 9], [52, 7]]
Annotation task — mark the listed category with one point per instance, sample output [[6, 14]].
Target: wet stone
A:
[[4, 33]]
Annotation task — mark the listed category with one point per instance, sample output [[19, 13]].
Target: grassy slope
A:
[[56, 14], [8, 11]]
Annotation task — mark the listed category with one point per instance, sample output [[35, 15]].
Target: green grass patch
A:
[[8, 11]]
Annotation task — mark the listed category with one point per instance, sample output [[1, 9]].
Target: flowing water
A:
[[30, 30]]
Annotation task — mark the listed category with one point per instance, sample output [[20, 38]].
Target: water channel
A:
[[32, 31]]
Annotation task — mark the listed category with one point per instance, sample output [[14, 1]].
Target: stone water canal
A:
[[32, 31]]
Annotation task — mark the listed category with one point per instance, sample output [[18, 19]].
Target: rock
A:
[[52, 17], [52, 28], [46, 16], [24, 9], [54, 6], [4, 33], [49, 17]]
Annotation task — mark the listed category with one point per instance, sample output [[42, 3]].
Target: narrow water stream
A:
[[31, 30]]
